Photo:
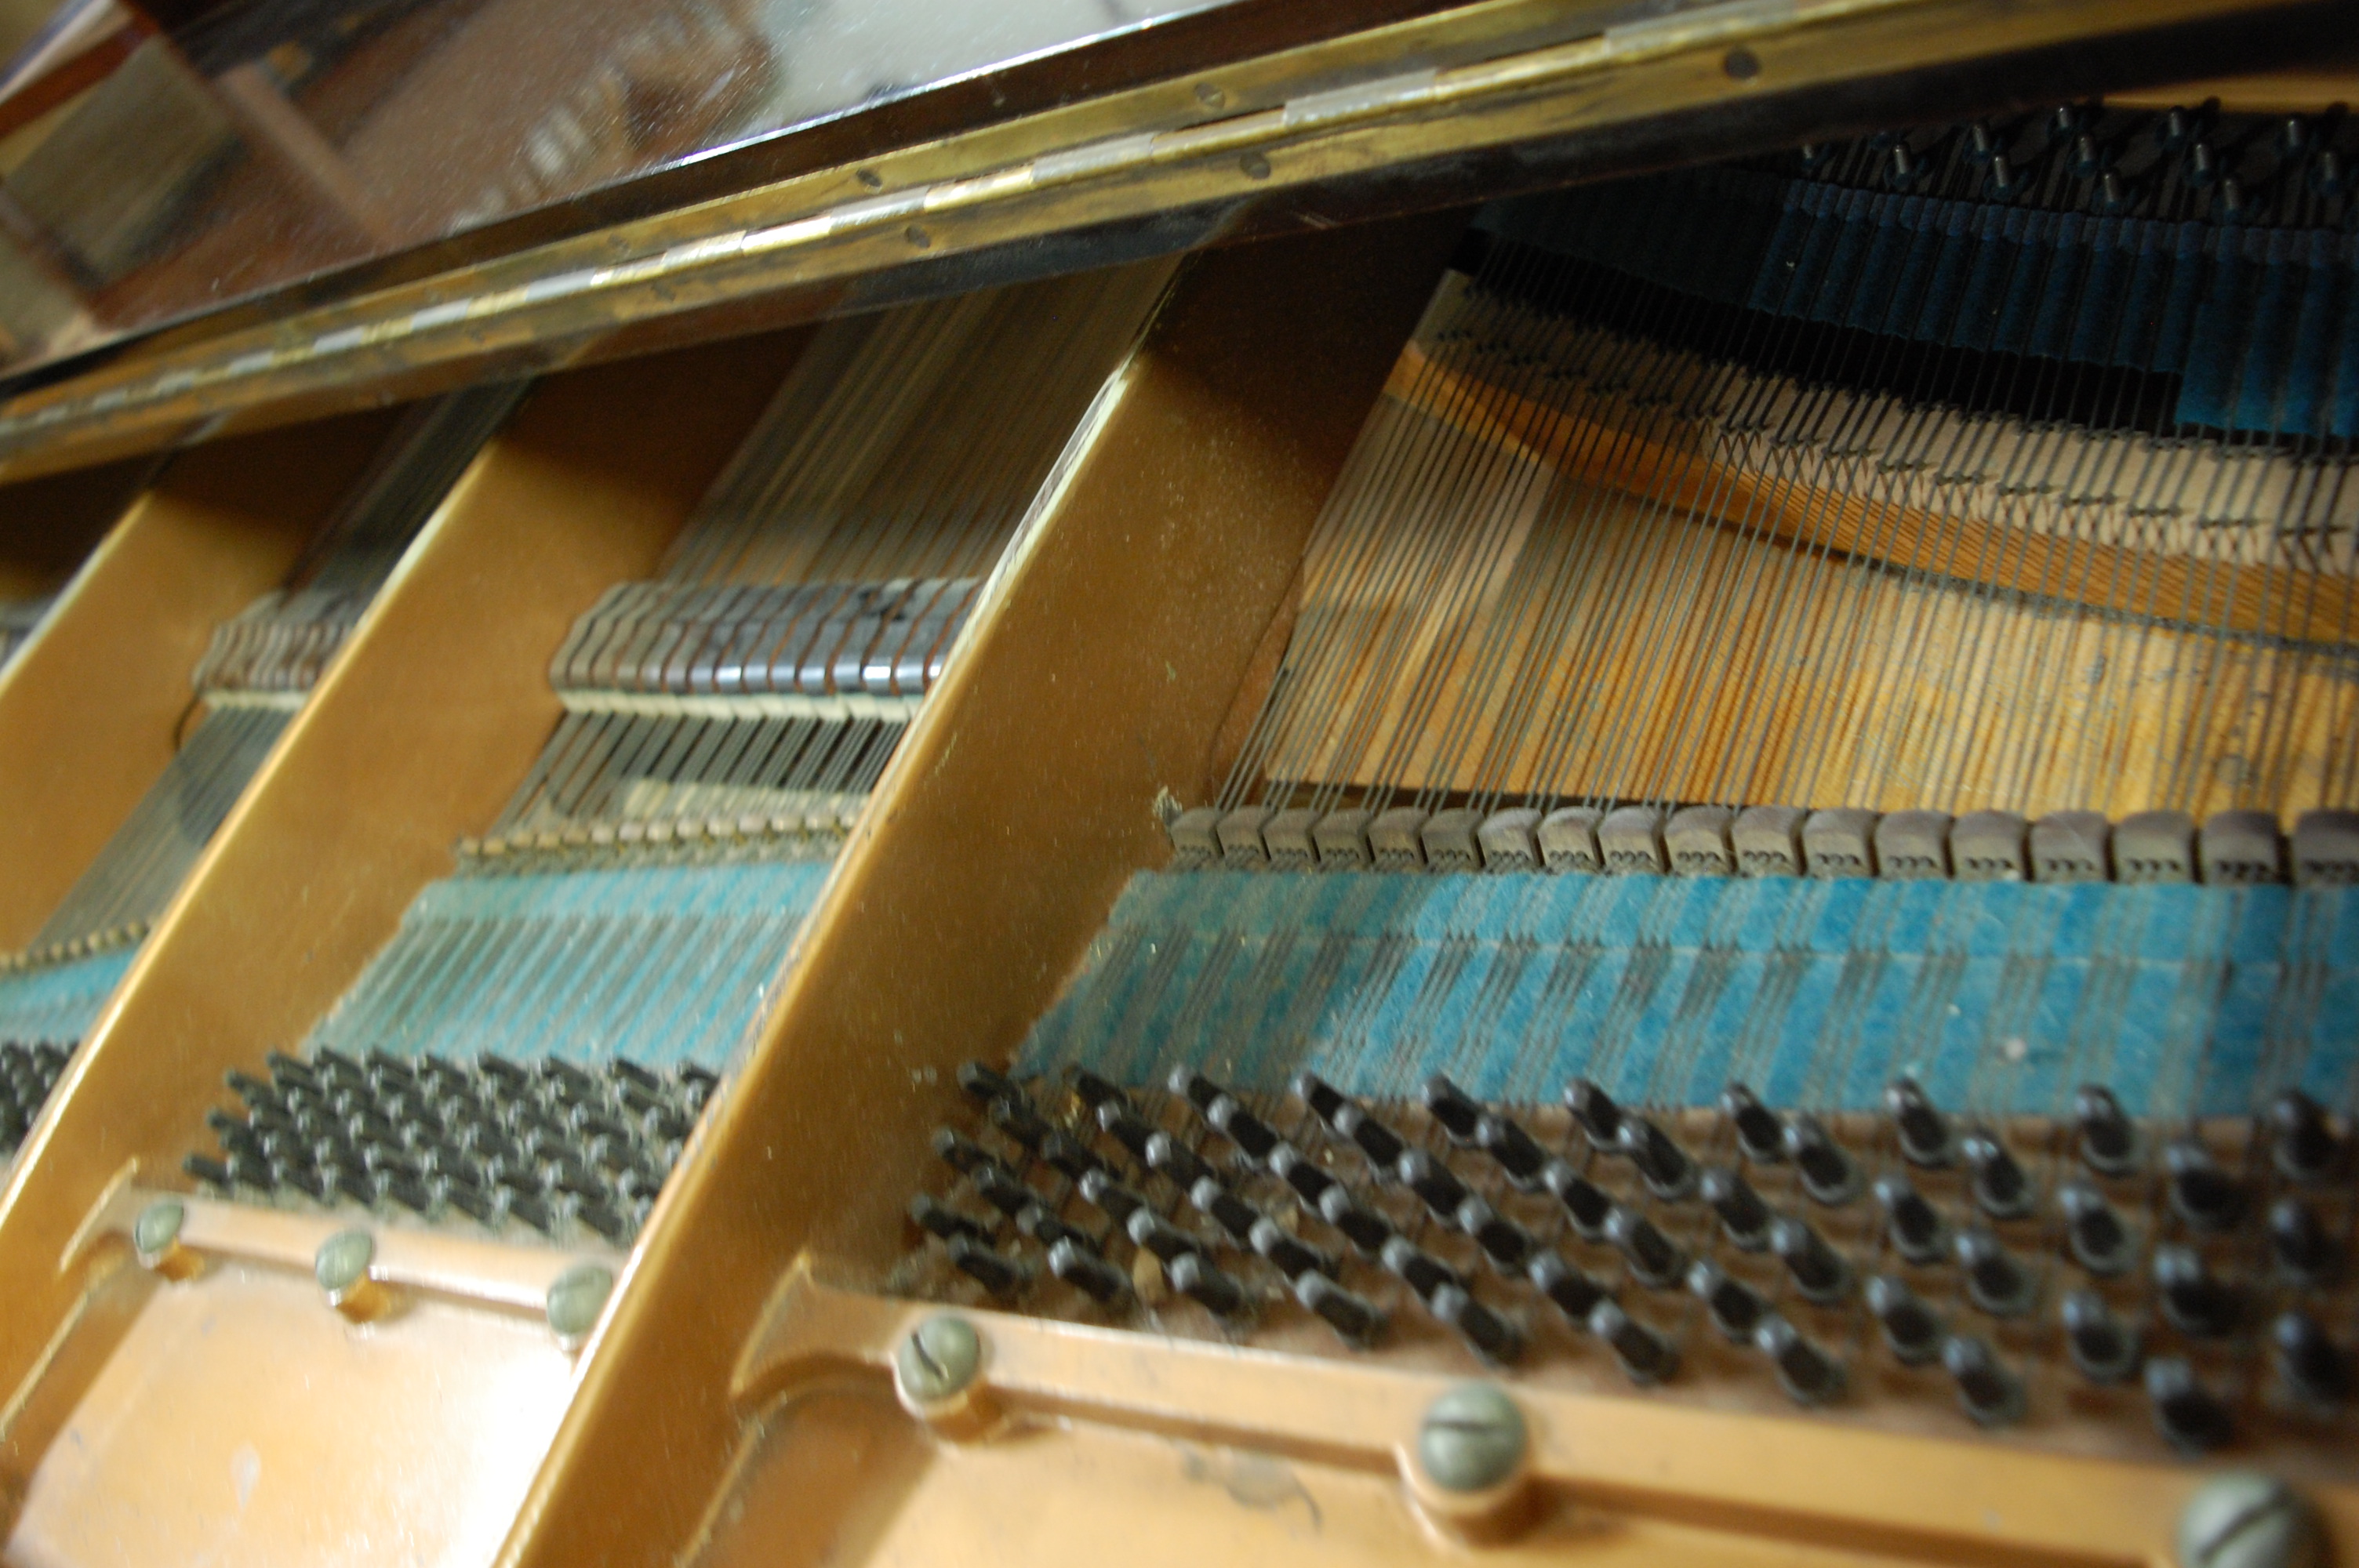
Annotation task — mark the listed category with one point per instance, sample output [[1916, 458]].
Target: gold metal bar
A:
[[462, 1267], [1769, 1476], [1282, 129], [1103, 656], [416, 733], [90, 707]]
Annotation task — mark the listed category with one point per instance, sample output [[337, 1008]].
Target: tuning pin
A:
[[2088, 158], [1516, 1150], [2294, 138], [2109, 1143], [2004, 178], [1924, 1133], [1918, 1233], [961, 1154], [1195, 1087], [1646, 1355], [1808, 1374], [1067, 1156], [2311, 1364], [2115, 194], [1988, 1392], [1309, 1180], [1432, 1182], [1492, 1336], [1013, 1116], [1818, 1271], [1153, 1233], [1828, 1173], [2178, 127], [1505, 1242], [2001, 1189], [2194, 1300], [1905, 171], [2203, 165], [1193, 1275], [1655, 1261], [1380, 1143], [1353, 1318], [2201, 1194], [1420, 1270], [1586, 1203], [1034, 1220], [2103, 1346], [2063, 124], [1996, 1281], [1094, 1091], [2232, 199], [2305, 1252], [2185, 1411], [1981, 144], [2330, 174], [1744, 1218], [985, 1083], [1133, 1132], [1252, 1136], [1288, 1252], [1665, 1167], [1168, 1157], [2304, 1146], [1088, 1272], [1759, 1133], [1118, 1201], [1912, 1331], [2100, 1243], [1594, 1110], [1360, 1226], [1000, 1276], [1735, 1307], [1575, 1294], [1449, 1105], [1227, 1210], [1002, 1191]]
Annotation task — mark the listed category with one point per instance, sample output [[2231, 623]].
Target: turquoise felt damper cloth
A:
[[2000, 998], [661, 965], [56, 1005]]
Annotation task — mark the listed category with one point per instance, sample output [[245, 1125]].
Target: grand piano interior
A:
[[1181, 781]]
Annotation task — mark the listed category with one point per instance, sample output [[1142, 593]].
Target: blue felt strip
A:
[[2256, 322], [2001, 998], [56, 1005], [657, 963]]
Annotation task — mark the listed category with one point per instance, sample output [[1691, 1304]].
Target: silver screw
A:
[[1472, 1438], [576, 1299], [157, 1228], [2245, 1519], [939, 1360], [342, 1263]]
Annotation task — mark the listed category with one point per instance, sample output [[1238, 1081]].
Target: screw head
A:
[[2245, 1519], [938, 1360], [1472, 1438], [342, 1262], [576, 1299], [157, 1228]]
